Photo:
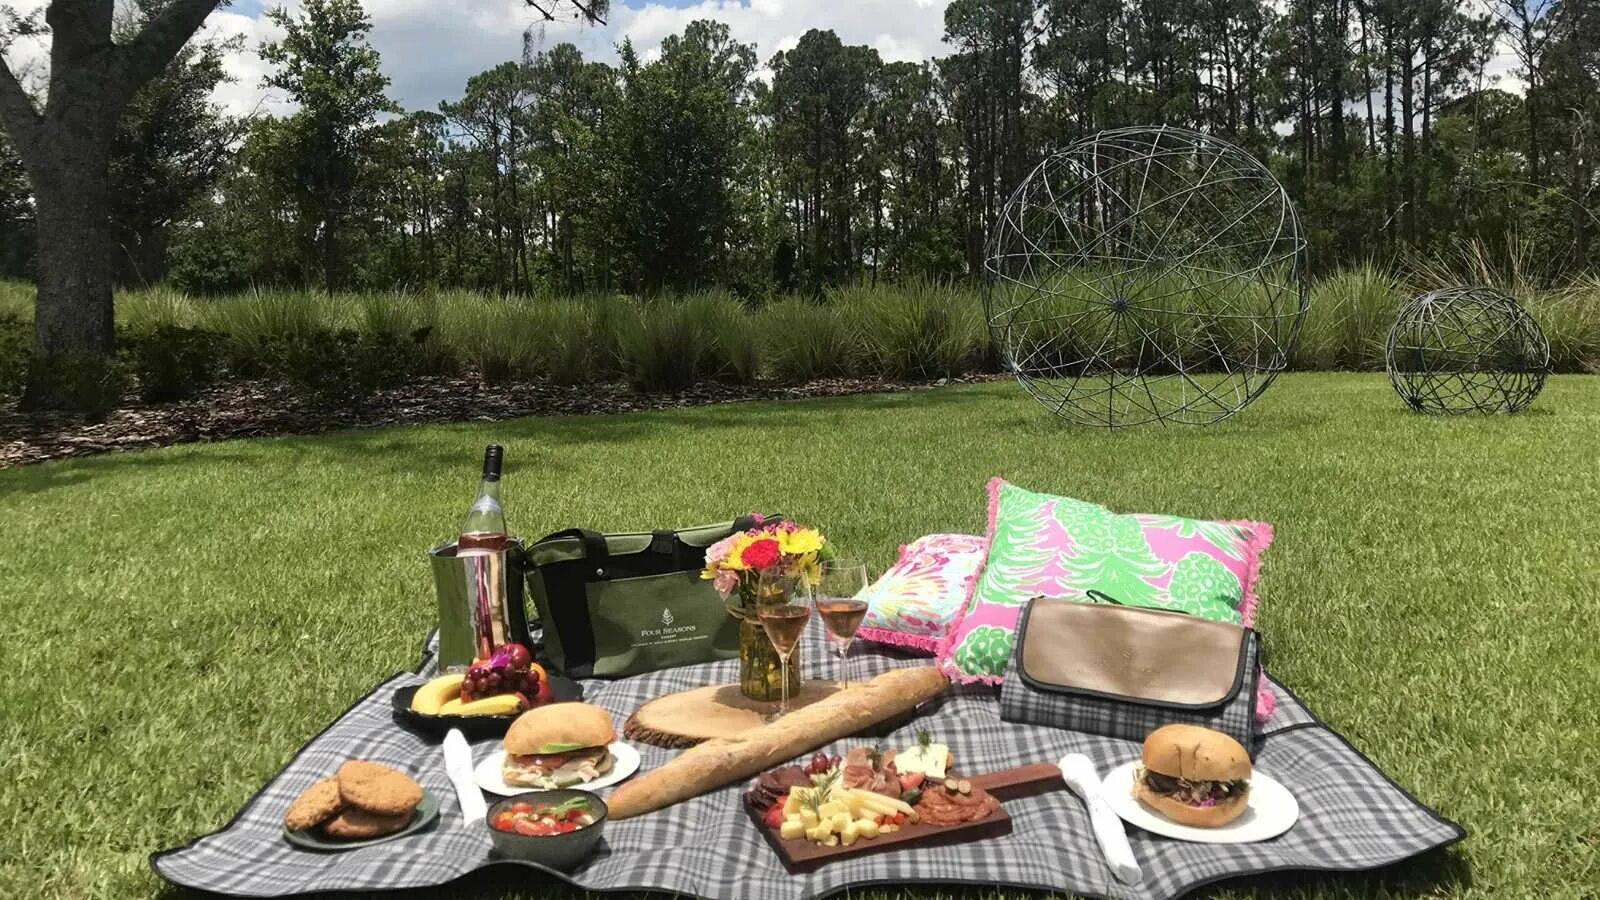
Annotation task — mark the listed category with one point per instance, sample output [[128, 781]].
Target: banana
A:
[[498, 705], [431, 697]]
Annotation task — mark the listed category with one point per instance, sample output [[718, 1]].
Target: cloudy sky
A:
[[430, 47]]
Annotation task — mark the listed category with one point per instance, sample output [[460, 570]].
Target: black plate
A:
[[473, 727]]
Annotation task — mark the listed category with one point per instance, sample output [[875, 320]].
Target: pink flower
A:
[[758, 518], [719, 551], [726, 581]]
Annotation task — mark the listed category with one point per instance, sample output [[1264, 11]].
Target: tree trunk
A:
[[73, 317], [1388, 123], [1408, 156]]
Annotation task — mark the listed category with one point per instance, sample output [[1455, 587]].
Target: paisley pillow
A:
[[914, 604], [1059, 547]]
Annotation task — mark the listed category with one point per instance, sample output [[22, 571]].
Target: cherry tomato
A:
[[522, 807]]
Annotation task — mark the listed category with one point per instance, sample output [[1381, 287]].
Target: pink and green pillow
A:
[[917, 601], [1043, 545]]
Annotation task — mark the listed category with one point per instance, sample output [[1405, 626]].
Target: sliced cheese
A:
[[930, 760]]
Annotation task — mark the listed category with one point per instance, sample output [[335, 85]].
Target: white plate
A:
[[487, 773], [1272, 810]]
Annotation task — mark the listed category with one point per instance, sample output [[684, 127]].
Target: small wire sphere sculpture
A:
[[1465, 350], [1146, 275]]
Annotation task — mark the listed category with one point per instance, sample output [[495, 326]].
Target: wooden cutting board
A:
[[800, 855], [714, 711]]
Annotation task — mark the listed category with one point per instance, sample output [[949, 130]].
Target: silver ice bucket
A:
[[480, 601]]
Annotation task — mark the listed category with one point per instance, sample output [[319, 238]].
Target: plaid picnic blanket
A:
[[1353, 817]]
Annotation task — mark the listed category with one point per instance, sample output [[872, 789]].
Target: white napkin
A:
[[1081, 776], [458, 764]]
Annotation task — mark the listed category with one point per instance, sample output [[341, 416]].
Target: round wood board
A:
[[717, 710]]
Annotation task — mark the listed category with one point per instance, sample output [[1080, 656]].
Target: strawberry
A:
[[774, 817]]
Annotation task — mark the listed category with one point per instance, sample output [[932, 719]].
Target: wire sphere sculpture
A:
[[1466, 349], [1146, 275]]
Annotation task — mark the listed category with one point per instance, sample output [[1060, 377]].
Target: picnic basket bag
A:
[[615, 605], [1123, 671]]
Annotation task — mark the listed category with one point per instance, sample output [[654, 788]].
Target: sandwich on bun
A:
[[1193, 776], [558, 745]]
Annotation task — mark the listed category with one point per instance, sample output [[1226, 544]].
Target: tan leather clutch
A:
[[1121, 652]]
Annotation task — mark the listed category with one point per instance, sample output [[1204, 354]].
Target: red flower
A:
[[760, 554]]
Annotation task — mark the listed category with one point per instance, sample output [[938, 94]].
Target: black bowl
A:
[[473, 727], [556, 851]]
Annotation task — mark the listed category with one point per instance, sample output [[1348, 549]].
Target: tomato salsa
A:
[[537, 819]]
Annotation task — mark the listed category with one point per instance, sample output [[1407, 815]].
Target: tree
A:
[[65, 145], [172, 145], [494, 114], [988, 96], [1527, 24], [16, 214], [330, 71], [574, 100], [1572, 77], [910, 181], [821, 91], [673, 152]]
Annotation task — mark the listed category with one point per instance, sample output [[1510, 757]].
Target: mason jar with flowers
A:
[[766, 565]]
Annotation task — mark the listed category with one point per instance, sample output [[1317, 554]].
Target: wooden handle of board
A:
[[1023, 781]]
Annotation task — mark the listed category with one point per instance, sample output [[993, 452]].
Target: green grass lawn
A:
[[180, 621]]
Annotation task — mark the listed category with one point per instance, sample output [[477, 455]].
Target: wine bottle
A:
[[485, 528]]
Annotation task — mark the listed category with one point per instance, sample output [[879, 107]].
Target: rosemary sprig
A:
[[875, 757], [826, 782]]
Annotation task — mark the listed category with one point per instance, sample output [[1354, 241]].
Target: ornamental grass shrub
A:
[[175, 344], [918, 329], [1570, 320], [1348, 321], [802, 340]]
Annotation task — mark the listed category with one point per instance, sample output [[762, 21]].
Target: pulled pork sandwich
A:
[[1193, 776], [558, 745]]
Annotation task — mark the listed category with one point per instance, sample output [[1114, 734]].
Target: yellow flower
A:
[[810, 570], [731, 561], [799, 541]]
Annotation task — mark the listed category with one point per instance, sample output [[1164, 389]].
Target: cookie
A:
[[357, 824], [378, 789], [316, 804]]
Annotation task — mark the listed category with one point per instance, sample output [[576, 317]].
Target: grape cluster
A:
[[822, 763], [508, 670]]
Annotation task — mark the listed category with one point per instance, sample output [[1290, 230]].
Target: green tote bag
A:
[[613, 605]]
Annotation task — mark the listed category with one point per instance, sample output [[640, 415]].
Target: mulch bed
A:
[[249, 409]]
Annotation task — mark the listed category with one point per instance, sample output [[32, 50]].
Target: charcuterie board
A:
[[800, 855]]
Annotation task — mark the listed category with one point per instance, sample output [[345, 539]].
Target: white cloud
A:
[[430, 48]]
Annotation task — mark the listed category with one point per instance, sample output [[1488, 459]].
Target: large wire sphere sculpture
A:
[[1146, 275], [1466, 349]]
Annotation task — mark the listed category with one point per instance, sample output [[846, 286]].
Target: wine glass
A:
[[784, 624], [834, 595]]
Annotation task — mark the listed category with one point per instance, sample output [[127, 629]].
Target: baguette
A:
[[722, 761]]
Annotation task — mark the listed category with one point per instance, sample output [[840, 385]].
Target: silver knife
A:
[[458, 765], [1080, 775]]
